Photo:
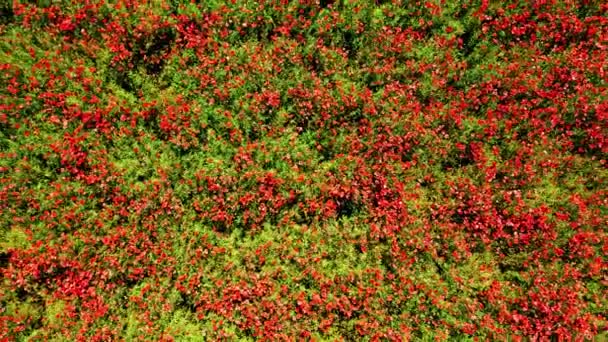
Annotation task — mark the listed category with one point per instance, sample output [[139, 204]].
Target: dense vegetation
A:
[[286, 170]]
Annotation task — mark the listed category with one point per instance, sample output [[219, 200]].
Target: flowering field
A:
[[303, 170]]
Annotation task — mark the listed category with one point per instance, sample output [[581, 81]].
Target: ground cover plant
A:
[[303, 170]]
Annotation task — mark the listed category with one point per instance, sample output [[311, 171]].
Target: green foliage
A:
[[323, 170]]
